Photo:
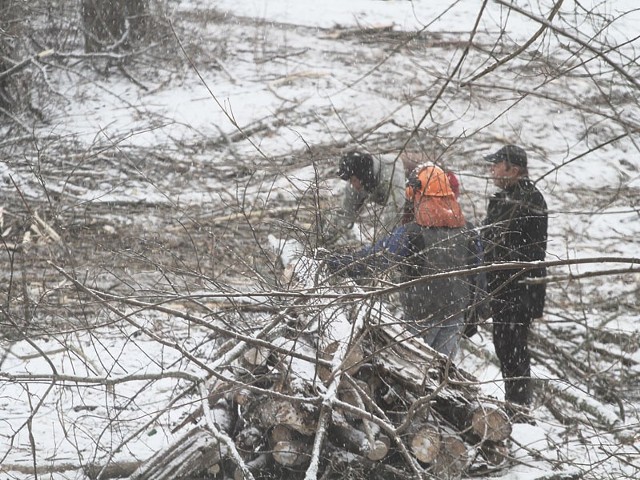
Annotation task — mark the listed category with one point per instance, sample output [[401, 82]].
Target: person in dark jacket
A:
[[435, 241], [515, 230]]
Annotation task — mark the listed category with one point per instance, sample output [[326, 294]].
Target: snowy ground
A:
[[180, 168]]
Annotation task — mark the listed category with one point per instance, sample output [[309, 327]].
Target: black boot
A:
[[518, 391], [518, 394]]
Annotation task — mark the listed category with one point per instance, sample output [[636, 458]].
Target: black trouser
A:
[[511, 322]]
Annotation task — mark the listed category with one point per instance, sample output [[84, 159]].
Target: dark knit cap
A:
[[360, 165]]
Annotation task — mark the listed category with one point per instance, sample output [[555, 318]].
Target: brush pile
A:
[[333, 387]]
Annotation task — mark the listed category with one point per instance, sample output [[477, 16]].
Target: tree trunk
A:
[[358, 436], [111, 25], [494, 453], [255, 466], [11, 18], [479, 421], [291, 453], [138, 18]]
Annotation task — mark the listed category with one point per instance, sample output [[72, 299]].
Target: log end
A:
[[491, 423], [379, 449], [452, 459], [425, 444], [290, 453]]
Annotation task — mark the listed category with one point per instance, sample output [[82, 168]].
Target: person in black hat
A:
[[370, 181], [515, 230]]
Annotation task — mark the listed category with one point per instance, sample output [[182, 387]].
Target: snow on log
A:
[[425, 443]]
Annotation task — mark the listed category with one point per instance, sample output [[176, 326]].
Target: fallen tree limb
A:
[[24, 63]]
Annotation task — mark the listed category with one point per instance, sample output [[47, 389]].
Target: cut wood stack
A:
[[347, 393]]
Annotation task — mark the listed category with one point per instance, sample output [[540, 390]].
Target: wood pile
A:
[[343, 391]]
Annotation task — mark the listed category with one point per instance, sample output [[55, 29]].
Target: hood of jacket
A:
[[438, 212]]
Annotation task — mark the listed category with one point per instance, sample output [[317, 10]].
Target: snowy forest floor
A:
[[161, 180]]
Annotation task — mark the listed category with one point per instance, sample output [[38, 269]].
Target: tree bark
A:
[[256, 465], [138, 18], [113, 24], [11, 18], [425, 443], [103, 22], [355, 440], [291, 453], [494, 453]]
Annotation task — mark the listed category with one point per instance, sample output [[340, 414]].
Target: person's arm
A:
[[531, 229], [478, 308], [537, 246], [377, 257], [336, 223], [352, 203]]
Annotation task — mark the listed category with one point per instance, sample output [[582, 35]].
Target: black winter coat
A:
[[515, 230]]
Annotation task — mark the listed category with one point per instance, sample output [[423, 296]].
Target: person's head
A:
[[358, 168], [428, 180], [434, 201], [508, 165]]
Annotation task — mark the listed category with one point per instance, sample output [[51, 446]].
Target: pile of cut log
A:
[[343, 391]]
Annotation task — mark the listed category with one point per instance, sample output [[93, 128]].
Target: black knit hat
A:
[[509, 153], [359, 165]]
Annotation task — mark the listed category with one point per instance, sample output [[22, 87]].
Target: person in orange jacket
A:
[[435, 241]]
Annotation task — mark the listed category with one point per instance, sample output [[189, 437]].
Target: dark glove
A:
[[328, 237], [332, 261], [321, 253], [474, 316]]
